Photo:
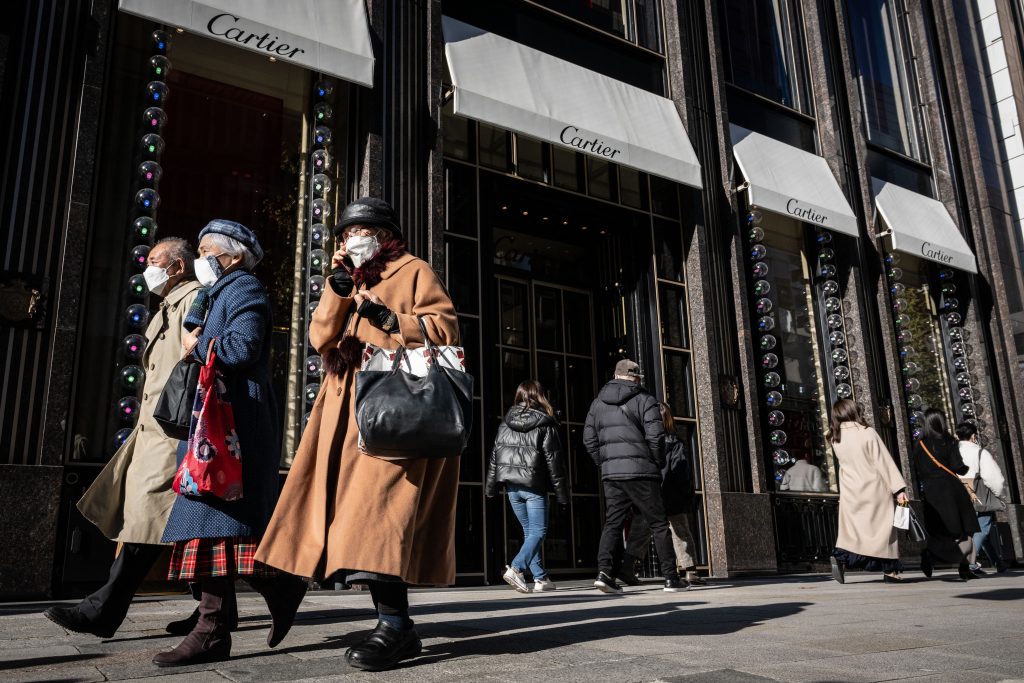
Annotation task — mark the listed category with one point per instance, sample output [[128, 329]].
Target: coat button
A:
[[145, 397], [142, 428], [339, 391], [152, 366], [163, 336]]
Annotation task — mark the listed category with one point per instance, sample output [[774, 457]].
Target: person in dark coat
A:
[[625, 436], [949, 515], [215, 540], [528, 461], [677, 494]]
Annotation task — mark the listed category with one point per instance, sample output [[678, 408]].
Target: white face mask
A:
[[208, 270], [361, 248], [156, 278]]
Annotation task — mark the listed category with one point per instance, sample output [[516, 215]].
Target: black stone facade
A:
[[398, 153]]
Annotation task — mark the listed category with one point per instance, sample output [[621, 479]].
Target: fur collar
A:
[[369, 274]]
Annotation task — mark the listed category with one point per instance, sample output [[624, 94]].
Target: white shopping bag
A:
[[901, 518], [416, 361]]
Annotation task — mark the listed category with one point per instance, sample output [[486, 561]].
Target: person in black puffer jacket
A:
[[625, 436], [528, 461]]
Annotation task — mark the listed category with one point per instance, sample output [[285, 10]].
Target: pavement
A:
[[805, 628]]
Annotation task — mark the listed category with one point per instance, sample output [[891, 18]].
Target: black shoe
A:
[[965, 573], [978, 571], [1002, 567], [606, 584], [385, 647], [676, 585], [926, 564], [628, 577], [838, 571], [891, 578], [72, 619]]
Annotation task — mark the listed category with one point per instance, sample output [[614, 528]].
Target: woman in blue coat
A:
[[215, 540]]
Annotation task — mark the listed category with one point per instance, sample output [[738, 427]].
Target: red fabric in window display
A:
[[213, 461]]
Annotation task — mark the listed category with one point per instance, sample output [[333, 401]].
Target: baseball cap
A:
[[627, 368]]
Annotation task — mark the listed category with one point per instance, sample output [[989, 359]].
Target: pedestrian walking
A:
[[131, 498], [382, 522], [625, 435], [677, 495], [215, 539], [949, 515], [528, 461], [982, 466], [870, 485]]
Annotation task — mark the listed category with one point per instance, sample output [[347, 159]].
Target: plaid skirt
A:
[[200, 558]]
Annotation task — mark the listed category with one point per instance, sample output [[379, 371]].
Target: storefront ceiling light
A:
[[272, 59], [565, 222], [179, 30], [526, 213]]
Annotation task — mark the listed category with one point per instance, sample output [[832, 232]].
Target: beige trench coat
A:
[[132, 497], [868, 480], [356, 511]]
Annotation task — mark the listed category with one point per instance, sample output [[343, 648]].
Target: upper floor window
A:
[[765, 49], [885, 75], [637, 21]]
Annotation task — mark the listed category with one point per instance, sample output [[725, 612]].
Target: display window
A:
[[196, 130], [802, 359]]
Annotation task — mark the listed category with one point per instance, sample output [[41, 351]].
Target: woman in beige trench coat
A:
[[868, 483], [366, 519]]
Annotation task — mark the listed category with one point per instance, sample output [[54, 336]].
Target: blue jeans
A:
[[982, 540], [531, 509]]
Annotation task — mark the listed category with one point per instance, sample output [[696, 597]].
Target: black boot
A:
[[71, 619], [926, 564], [385, 647], [210, 640], [182, 627], [283, 594]]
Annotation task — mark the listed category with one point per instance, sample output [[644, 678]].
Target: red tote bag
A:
[[213, 462]]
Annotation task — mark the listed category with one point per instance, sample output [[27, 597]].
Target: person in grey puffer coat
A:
[[528, 461], [625, 435]]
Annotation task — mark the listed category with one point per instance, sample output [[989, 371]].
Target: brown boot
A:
[[183, 627], [210, 640], [283, 594]]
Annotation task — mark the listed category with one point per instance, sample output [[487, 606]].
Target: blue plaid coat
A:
[[239, 319]]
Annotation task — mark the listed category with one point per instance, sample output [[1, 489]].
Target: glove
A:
[[341, 281], [379, 315]]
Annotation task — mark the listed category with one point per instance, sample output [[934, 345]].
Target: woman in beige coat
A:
[[868, 483], [344, 512]]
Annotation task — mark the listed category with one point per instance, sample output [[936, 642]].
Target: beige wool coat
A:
[[868, 482], [131, 498], [356, 511]]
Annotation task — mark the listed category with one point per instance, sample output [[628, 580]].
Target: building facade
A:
[[770, 204]]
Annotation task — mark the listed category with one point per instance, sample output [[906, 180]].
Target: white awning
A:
[[509, 85], [922, 226], [790, 181], [330, 36]]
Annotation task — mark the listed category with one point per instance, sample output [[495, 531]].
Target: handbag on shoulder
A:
[[213, 462], [984, 500], [404, 415]]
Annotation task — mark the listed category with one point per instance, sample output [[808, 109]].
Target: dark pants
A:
[[391, 598], [619, 496], [109, 605]]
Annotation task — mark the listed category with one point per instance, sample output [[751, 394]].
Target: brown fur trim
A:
[[369, 273]]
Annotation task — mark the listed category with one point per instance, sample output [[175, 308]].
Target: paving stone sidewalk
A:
[[787, 629]]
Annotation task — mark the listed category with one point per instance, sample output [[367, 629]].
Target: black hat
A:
[[369, 211]]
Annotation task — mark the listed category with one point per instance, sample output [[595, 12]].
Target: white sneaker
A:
[[514, 578], [541, 585]]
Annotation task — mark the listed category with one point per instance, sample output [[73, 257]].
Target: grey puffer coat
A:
[[528, 452], [624, 433]]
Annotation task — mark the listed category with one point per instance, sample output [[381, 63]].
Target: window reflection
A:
[[888, 96], [765, 55]]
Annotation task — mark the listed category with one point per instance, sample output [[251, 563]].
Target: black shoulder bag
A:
[[401, 415], [173, 411]]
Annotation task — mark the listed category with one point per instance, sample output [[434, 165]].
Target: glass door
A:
[[546, 332]]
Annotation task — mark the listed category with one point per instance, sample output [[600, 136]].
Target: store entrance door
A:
[[546, 333]]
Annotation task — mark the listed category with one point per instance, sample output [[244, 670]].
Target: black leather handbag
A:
[[916, 531], [401, 415], [173, 410]]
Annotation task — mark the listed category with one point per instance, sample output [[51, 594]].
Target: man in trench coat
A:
[[132, 496]]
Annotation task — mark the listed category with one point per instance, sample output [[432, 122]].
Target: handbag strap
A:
[[966, 485]]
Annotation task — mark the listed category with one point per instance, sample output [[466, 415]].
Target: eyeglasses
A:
[[358, 230]]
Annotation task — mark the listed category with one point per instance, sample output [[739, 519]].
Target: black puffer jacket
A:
[[528, 452], [624, 433]]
